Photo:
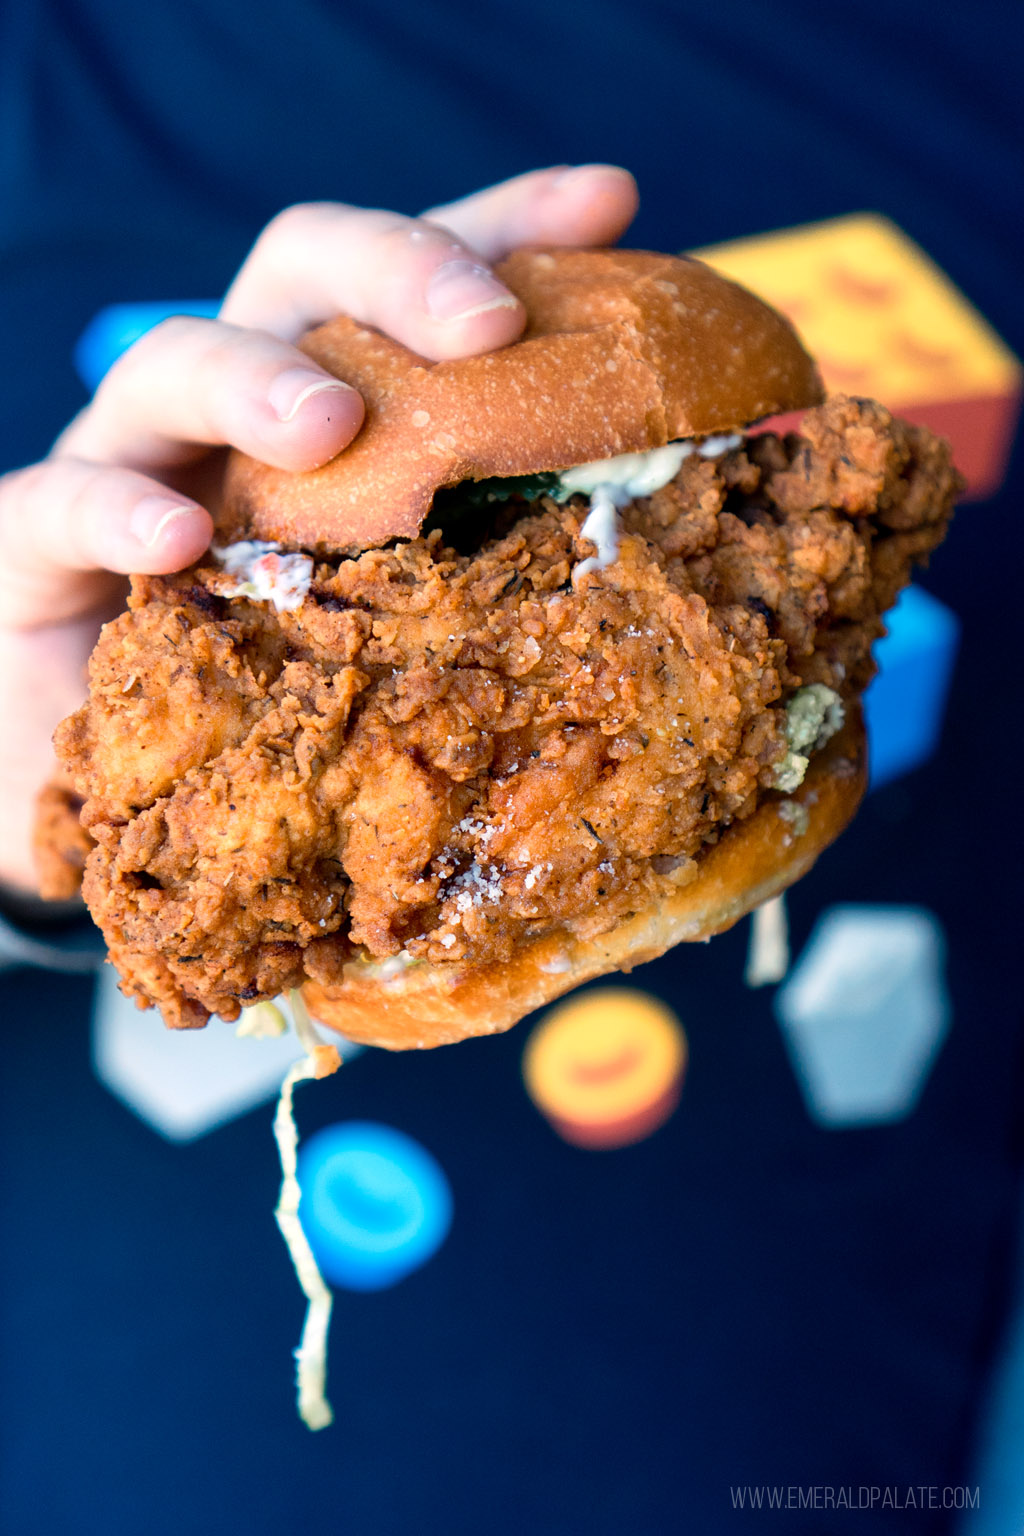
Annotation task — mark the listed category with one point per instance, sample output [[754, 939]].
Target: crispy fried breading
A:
[[439, 754], [61, 843]]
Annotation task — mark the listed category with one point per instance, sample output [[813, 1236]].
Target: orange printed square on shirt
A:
[[884, 321]]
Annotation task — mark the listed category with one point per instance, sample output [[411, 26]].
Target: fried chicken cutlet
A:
[[438, 754]]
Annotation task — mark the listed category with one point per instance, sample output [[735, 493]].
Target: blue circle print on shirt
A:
[[375, 1204]]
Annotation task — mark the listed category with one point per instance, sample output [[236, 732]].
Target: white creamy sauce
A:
[[391, 969], [264, 573], [614, 483], [630, 474], [714, 447], [601, 527]]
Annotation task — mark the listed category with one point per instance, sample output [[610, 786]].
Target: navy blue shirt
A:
[[607, 1342]]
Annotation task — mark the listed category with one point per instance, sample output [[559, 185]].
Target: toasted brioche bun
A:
[[427, 1005], [623, 351]]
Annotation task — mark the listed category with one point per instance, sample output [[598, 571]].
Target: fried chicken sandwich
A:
[[557, 665]]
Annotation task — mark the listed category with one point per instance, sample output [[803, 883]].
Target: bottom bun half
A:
[[427, 1005]]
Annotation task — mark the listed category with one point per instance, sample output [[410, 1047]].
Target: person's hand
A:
[[113, 496]]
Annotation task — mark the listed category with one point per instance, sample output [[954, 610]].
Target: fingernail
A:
[[575, 173], [459, 290], [153, 515], [290, 390]]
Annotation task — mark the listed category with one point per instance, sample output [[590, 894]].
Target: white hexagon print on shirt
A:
[[865, 1011]]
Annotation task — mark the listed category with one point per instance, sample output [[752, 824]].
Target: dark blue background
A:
[[608, 1341]]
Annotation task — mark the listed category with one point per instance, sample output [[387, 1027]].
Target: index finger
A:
[[411, 279], [565, 205], [425, 282]]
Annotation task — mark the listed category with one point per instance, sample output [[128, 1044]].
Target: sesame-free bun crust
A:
[[427, 1005], [623, 351]]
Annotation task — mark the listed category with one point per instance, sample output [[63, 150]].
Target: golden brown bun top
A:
[[623, 351]]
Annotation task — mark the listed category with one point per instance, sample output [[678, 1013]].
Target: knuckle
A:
[[149, 352], [26, 496], [420, 234], [291, 230], [303, 225], [169, 332], [233, 362], [168, 335], [21, 488], [289, 223], [85, 492]]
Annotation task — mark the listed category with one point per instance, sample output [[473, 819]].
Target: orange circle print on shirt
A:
[[606, 1067]]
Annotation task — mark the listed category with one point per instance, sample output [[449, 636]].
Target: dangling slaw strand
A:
[[768, 957], [327, 1056], [311, 1356]]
